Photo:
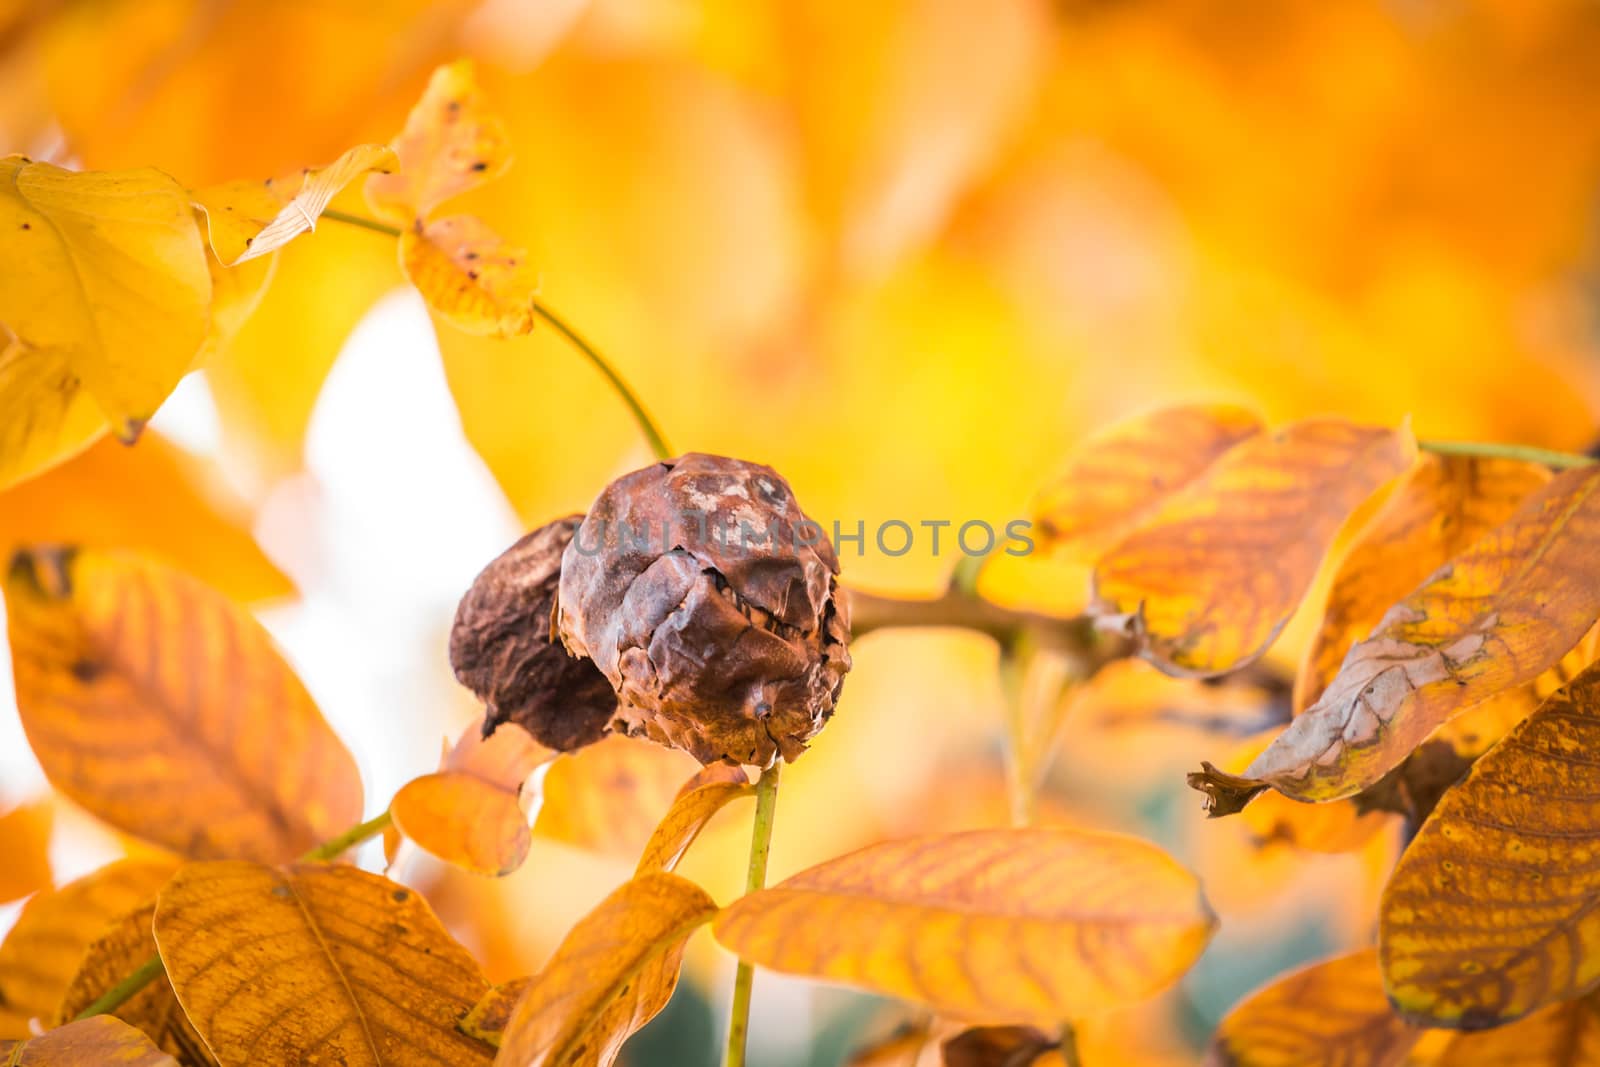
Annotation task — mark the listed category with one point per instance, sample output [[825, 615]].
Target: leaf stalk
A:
[[760, 849]]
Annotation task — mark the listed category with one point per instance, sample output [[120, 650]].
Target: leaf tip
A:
[[1226, 794]]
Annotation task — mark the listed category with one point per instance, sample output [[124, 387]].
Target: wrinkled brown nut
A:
[[709, 600], [502, 647]]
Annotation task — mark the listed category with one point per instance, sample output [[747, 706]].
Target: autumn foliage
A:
[[1360, 639]]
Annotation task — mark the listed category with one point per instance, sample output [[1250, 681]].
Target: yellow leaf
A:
[[41, 954], [108, 270], [1118, 478], [25, 844], [614, 971], [1564, 1035], [1208, 581], [315, 963], [46, 417], [609, 796], [1013, 926], [450, 144], [1328, 1012], [1497, 616], [489, 1017], [166, 710], [98, 1042], [708, 792], [101, 499], [247, 219], [1446, 504], [468, 274], [125, 946], [470, 812], [236, 293], [1491, 912]]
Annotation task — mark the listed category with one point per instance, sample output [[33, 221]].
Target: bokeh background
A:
[[906, 251]]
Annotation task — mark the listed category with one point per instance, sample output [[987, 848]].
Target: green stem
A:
[[760, 848], [358, 220], [338, 846], [1494, 450], [151, 969], [647, 425]]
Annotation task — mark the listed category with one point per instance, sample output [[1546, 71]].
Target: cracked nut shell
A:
[[502, 648], [709, 600]]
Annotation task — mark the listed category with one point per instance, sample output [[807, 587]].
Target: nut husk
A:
[[708, 599], [502, 647]]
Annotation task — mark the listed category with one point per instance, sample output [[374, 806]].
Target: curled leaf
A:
[[1208, 581], [1012, 926], [1442, 507], [470, 275], [1119, 478], [471, 811], [708, 792], [166, 710], [98, 1042], [1490, 912], [450, 144], [107, 274], [488, 1019], [997, 1046], [249, 219], [1329, 1012], [614, 971], [315, 963], [1495, 617]]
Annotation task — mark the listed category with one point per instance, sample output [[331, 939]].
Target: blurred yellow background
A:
[[907, 252]]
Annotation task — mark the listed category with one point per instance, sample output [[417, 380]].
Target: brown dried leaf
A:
[[708, 792], [98, 1042], [1492, 910], [1208, 581], [1000, 926], [1332, 1012], [316, 963], [166, 709], [125, 946], [1495, 617], [614, 971], [1442, 507], [1118, 478], [997, 1046]]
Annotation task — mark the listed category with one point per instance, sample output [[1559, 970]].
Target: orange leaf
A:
[[609, 796], [1027, 925], [708, 792], [468, 274], [41, 954], [1564, 1035], [488, 1019], [25, 844], [1328, 1012], [1446, 504], [614, 971], [98, 1042], [1491, 911], [1210, 579], [997, 1046], [125, 946], [1120, 477], [166, 710], [470, 813], [449, 145], [247, 219], [101, 499], [315, 963], [1497, 616]]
